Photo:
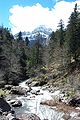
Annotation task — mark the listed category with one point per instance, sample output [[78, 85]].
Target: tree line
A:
[[18, 60]]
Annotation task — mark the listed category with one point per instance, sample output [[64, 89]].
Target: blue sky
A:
[[12, 12], [5, 5]]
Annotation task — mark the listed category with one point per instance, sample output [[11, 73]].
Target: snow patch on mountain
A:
[[40, 31]]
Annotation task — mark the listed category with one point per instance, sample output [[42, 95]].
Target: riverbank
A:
[[43, 102], [53, 94]]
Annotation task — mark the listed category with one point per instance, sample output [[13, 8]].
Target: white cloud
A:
[[29, 17]]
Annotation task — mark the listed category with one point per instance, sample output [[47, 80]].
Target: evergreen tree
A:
[[23, 65], [37, 52], [51, 46], [27, 41], [6, 53], [73, 30], [61, 32], [22, 56]]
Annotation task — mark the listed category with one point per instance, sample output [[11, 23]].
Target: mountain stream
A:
[[31, 104]]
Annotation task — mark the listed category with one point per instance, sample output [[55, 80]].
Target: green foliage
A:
[[4, 92], [61, 33], [71, 93], [44, 69], [35, 79]]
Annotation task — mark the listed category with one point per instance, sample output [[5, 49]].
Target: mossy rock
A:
[[4, 92], [35, 79]]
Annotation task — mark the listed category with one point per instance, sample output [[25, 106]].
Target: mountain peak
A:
[[42, 30]]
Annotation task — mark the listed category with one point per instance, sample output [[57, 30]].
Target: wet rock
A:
[[3, 118], [75, 101], [11, 116], [6, 112], [16, 103], [4, 106], [29, 81], [66, 116], [17, 90], [28, 116], [8, 87], [36, 92], [49, 103], [34, 83]]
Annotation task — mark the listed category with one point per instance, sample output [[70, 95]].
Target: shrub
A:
[[44, 69]]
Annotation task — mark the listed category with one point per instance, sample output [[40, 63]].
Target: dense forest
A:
[[19, 61]]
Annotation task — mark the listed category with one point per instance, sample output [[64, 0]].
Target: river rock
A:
[[34, 83], [8, 87], [48, 102], [29, 81], [36, 92], [6, 112], [75, 101], [16, 103], [28, 116], [11, 116], [66, 116], [4, 106], [18, 90], [3, 118]]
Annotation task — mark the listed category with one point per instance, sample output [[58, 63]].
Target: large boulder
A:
[[75, 101], [49, 102], [28, 116], [6, 111], [4, 106], [18, 90]]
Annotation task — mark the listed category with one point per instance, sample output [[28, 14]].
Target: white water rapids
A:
[[31, 104]]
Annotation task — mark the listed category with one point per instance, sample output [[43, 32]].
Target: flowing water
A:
[[31, 104]]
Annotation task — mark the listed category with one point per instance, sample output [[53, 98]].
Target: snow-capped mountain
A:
[[40, 32]]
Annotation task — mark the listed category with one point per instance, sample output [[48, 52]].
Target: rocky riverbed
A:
[[39, 103]]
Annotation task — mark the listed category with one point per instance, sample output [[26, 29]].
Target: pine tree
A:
[[37, 52], [73, 34], [27, 41], [6, 53], [22, 56], [61, 33], [51, 46]]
